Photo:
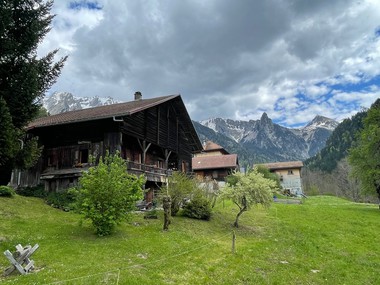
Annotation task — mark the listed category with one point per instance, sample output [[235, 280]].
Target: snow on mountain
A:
[[235, 130], [321, 122], [60, 102], [275, 142]]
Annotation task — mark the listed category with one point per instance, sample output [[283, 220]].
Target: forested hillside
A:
[[337, 145], [329, 172]]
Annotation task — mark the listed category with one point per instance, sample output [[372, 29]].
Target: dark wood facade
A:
[[153, 135]]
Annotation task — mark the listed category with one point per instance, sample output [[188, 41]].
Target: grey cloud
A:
[[217, 54]]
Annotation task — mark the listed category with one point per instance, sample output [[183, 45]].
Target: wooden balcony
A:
[[152, 172]]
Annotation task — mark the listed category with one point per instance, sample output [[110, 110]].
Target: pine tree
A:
[[7, 134], [24, 78]]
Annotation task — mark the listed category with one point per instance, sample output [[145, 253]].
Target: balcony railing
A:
[[148, 169]]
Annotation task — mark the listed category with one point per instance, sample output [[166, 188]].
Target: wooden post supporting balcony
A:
[[144, 147]]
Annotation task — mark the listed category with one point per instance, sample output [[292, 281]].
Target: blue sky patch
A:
[[364, 84], [377, 32], [78, 5]]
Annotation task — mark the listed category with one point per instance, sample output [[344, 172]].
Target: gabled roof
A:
[[102, 112], [215, 162], [117, 111], [211, 146], [283, 165]]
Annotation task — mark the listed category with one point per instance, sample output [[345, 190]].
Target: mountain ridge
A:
[[272, 141], [60, 102]]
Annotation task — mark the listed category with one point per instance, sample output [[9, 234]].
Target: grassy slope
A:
[[326, 240]]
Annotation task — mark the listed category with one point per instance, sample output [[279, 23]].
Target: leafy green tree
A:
[[249, 190], [365, 155], [269, 175], [107, 193], [180, 186], [24, 78]]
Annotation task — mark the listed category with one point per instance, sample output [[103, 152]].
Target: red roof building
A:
[[214, 162]]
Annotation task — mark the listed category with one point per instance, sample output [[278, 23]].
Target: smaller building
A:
[[290, 175], [214, 163]]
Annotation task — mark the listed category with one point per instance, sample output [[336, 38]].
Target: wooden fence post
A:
[[233, 242]]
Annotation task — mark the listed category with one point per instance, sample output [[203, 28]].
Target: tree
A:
[[269, 175], [107, 193], [250, 189], [365, 155], [180, 187], [24, 78], [7, 134]]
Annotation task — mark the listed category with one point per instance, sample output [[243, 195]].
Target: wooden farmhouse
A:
[[214, 163], [154, 136], [290, 175]]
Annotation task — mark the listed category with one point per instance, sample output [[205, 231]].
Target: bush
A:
[[180, 186], [107, 193], [6, 191], [36, 191], [60, 200], [198, 208]]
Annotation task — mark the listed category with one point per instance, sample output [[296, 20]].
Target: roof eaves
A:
[[101, 117]]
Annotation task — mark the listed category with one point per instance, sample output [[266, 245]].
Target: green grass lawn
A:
[[325, 240]]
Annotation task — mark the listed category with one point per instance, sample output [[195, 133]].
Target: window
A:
[[83, 156], [290, 172]]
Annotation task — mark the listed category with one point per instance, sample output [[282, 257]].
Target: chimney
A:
[[138, 95]]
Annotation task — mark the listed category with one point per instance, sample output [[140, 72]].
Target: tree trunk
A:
[[236, 223], [166, 205]]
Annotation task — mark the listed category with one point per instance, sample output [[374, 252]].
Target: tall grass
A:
[[325, 240]]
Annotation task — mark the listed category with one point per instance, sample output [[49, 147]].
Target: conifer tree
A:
[[24, 78]]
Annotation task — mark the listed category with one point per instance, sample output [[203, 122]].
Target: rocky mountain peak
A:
[[265, 119], [272, 142], [322, 122]]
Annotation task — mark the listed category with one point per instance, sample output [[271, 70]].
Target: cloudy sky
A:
[[293, 59]]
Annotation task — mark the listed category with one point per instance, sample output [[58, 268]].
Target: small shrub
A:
[[35, 191], [60, 200], [6, 191], [198, 208]]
